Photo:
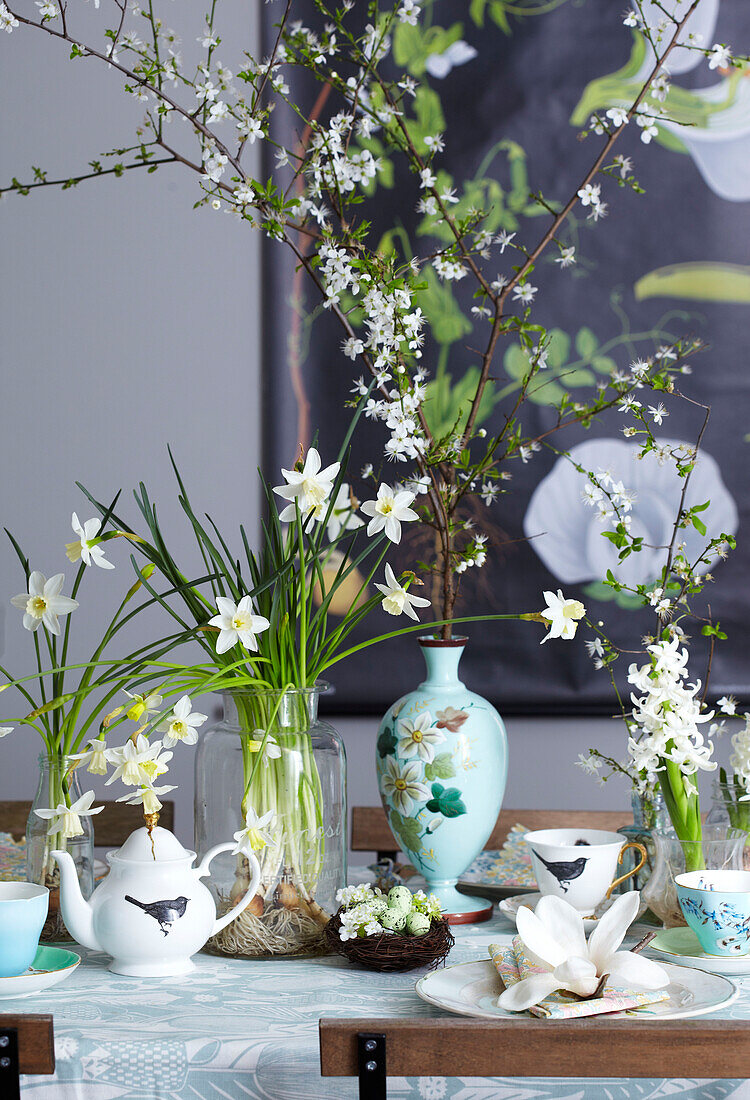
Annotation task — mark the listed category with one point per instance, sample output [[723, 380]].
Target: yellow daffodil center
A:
[[36, 606], [385, 507], [238, 623], [137, 709], [416, 735], [313, 490], [179, 729], [400, 784]]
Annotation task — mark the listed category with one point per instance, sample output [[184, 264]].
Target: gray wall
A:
[[127, 321]]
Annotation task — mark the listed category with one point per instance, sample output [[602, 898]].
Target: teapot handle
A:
[[202, 869]]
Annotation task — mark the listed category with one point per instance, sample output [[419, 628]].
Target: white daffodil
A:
[[343, 516], [396, 598], [87, 548], [418, 737], [143, 706], [252, 838], [389, 511], [562, 616], [271, 749], [43, 602], [308, 488], [66, 820], [237, 623], [553, 938], [402, 784], [95, 757], [5, 730], [182, 724], [129, 761], [147, 796]]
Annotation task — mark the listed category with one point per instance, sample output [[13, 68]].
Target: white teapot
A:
[[151, 912]]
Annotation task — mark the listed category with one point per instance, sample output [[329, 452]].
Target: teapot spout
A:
[[76, 911]]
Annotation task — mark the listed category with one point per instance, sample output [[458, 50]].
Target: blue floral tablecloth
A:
[[238, 1030]]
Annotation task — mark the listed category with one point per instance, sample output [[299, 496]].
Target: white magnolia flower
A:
[[182, 724], [237, 623], [43, 602], [389, 511], [143, 706], [343, 516], [66, 820], [147, 796], [565, 531], [95, 757], [252, 838], [87, 548], [562, 615], [401, 784], [5, 730], [553, 938], [419, 736], [136, 761], [396, 599], [308, 488]]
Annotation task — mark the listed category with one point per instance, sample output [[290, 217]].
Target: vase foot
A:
[[461, 908]]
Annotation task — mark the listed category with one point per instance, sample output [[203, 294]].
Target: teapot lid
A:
[[160, 846]]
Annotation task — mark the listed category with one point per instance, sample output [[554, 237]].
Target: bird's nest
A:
[[391, 952]]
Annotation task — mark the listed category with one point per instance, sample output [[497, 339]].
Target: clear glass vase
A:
[[58, 785], [721, 848], [649, 814], [301, 781], [728, 810]]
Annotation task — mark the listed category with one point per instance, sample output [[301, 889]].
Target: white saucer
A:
[[472, 989], [51, 965], [510, 906], [682, 946]]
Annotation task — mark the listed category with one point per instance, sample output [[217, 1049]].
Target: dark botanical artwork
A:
[[512, 85]]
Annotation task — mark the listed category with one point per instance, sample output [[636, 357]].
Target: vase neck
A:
[[442, 659], [273, 711]]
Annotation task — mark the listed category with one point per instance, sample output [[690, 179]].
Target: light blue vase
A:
[[442, 762]]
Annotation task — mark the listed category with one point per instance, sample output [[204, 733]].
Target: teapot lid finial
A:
[[156, 845]]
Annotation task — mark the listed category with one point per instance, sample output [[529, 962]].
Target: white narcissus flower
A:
[[396, 598], [43, 602], [95, 757], [402, 784], [143, 706], [308, 488], [133, 761], [562, 616], [182, 724], [252, 838], [66, 820], [389, 511], [147, 796], [418, 737], [553, 937], [5, 730], [342, 517], [87, 548], [237, 623]]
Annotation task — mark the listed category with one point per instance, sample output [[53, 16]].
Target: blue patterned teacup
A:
[[23, 911], [716, 905]]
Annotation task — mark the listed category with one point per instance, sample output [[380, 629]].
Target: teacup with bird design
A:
[[579, 865]]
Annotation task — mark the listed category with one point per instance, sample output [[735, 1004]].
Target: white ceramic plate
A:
[[681, 946], [51, 965], [472, 989]]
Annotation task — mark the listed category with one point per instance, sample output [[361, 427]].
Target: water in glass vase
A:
[[300, 780]]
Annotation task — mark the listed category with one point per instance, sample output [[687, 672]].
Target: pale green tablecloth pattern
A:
[[237, 1030]]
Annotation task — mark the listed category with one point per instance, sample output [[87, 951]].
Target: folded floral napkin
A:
[[507, 867], [12, 858], [513, 964]]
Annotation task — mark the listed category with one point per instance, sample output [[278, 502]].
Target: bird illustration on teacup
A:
[[564, 871]]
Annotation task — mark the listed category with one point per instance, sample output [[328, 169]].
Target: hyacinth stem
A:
[[684, 813]]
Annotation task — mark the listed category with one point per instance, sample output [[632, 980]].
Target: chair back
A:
[[27, 1045]]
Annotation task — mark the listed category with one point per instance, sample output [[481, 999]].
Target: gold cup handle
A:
[[623, 850]]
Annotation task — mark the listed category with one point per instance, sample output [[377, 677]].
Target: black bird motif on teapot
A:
[[165, 913]]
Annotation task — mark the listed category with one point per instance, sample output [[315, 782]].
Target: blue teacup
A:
[[23, 911], [716, 905]]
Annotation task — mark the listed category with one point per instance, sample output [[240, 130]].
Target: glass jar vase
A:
[[720, 848], [649, 814], [299, 778], [728, 810], [58, 785]]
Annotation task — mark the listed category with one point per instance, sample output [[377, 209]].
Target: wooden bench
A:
[[112, 826], [372, 833], [27, 1045], [373, 1049]]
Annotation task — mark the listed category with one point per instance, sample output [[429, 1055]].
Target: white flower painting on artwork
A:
[[566, 532]]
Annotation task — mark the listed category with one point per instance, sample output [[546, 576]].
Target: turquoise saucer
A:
[[50, 966], [681, 945]]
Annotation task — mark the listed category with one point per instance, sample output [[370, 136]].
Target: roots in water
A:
[[277, 932]]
